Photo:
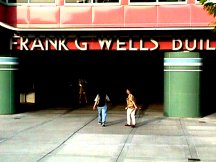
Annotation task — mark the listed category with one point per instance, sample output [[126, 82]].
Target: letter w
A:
[[106, 43]]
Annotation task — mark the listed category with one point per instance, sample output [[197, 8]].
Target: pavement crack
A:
[[192, 150], [128, 140], [50, 152], [29, 128]]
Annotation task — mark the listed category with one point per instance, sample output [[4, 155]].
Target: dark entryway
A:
[[208, 83], [55, 75]]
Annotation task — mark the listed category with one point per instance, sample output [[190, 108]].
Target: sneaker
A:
[[103, 125], [127, 125], [99, 123], [133, 126]]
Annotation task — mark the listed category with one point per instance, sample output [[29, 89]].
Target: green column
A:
[[7, 89], [182, 84]]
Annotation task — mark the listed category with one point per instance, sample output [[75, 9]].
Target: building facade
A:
[[169, 43]]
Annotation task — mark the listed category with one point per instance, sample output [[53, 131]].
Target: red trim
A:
[[60, 16]]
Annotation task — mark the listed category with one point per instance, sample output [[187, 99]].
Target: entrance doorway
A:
[[55, 76], [208, 80]]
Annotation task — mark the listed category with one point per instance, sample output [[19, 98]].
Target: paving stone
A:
[[21, 157], [166, 151], [158, 140], [89, 150], [94, 139], [70, 158], [66, 135], [206, 153]]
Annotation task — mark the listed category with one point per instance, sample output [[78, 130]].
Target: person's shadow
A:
[[141, 114], [146, 122], [115, 122]]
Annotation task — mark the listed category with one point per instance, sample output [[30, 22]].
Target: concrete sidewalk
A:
[[64, 135]]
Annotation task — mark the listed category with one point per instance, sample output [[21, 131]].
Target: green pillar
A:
[[182, 84], [7, 89]]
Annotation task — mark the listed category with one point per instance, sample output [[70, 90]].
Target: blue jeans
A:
[[102, 114]]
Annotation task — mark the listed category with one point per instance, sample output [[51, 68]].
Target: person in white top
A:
[[131, 109], [101, 101]]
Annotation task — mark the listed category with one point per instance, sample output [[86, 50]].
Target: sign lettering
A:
[[115, 43]]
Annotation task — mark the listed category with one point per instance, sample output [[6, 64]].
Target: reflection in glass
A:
[[31, 1], [78, 1], [89, 1], [171, 0], [146, 1], [106, 1], [17, 1], [42, 1], [142, 1]]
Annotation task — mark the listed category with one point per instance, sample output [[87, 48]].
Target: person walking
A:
[[101, 101], [131, 109]]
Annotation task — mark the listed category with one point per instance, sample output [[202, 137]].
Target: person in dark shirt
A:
[[101, 101]]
